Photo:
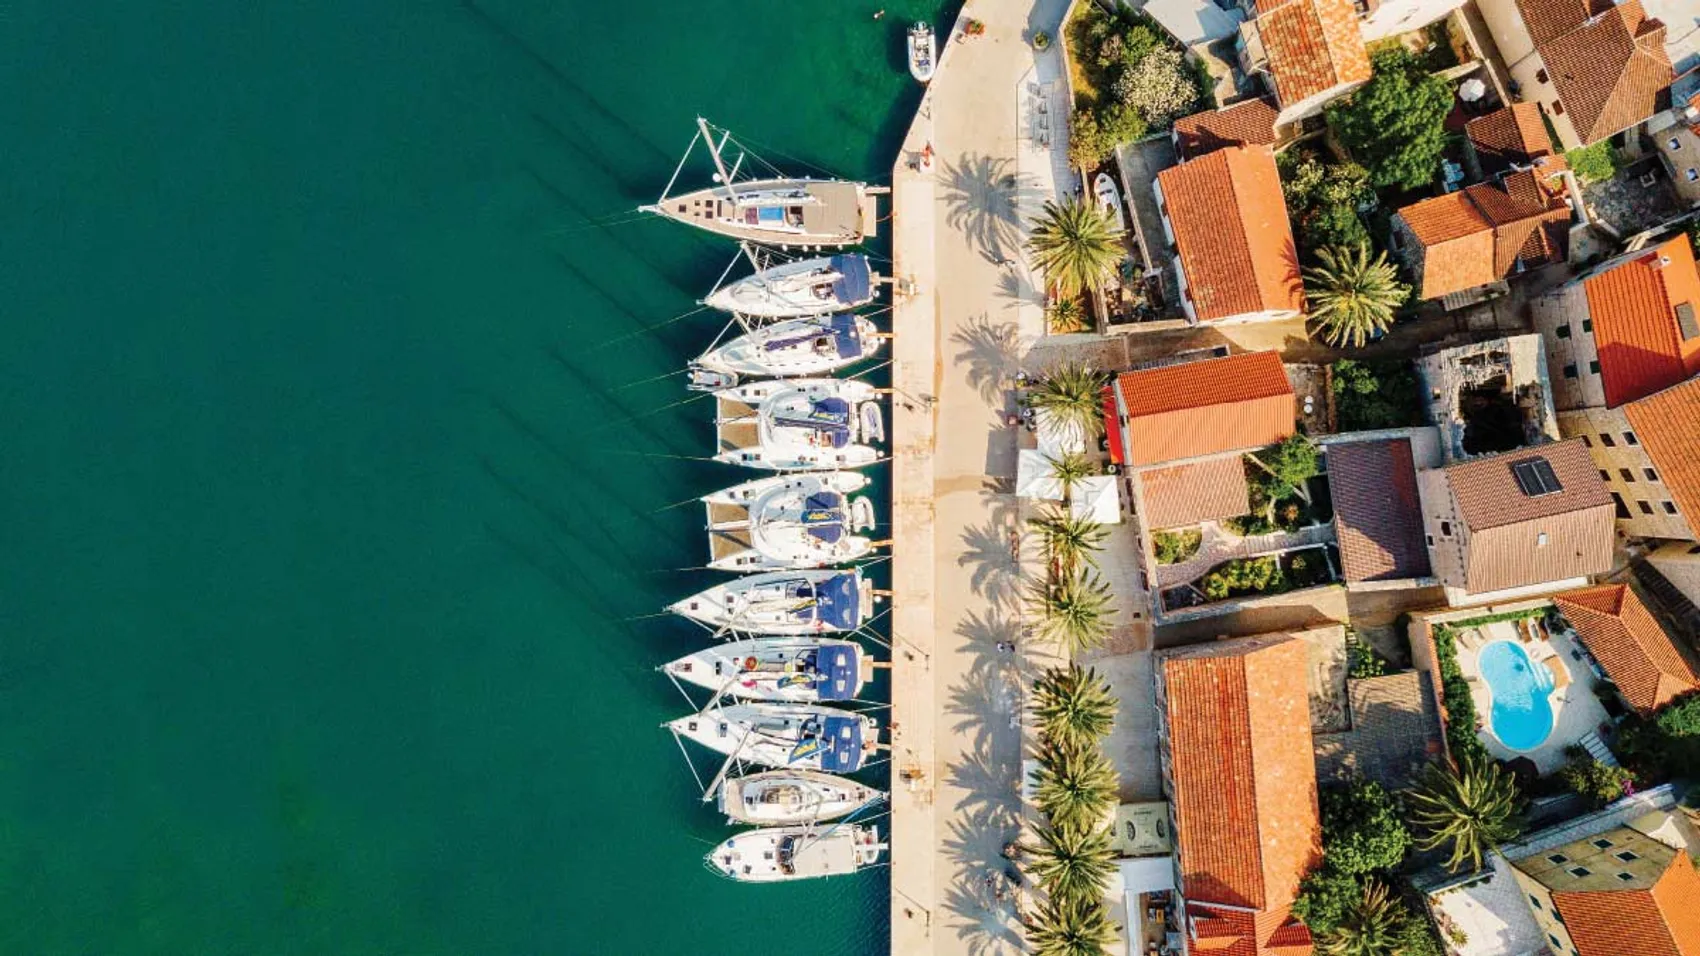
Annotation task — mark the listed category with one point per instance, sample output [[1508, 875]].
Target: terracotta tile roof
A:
[[1663, 920], [1481, 234], [1184, 495], [1608, 70], [1247, 123], [1378, 516], [1244, 782], [1312, 46], [1231, 231], [1223, 932], [1629, 644], [1205, 408], [1512, 136], [1506, 526], [1636, 327], [1668, 426]]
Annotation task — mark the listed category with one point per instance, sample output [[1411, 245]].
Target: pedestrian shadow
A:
[[990, 353], [983, 196]]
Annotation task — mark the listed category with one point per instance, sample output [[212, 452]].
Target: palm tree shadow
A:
[[987, 705], [996, 574], [986, 919], [990, 353], [981, 194]]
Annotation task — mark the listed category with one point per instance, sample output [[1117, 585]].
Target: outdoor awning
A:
[[1113, 426], [1147, 874], [1057, 438], [1034, 476], [1097, 498]]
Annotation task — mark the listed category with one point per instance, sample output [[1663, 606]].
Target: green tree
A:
[[1072, 393], [1076, 246], [1076, 784], [1071, 927], [1284, 470], [1088, 146], [1471, 805], [1351, 296], [1371, 927], [1396, 123], [1361, 828], [1325, 897], [1073, 863], [1595, 782], [1065, 316], [1680, 718], [1323, 201], [1069, 540], [1173, 547], [1074, 706], [1069, 469], [1075, 611], [1372, 395], [1593, 164]]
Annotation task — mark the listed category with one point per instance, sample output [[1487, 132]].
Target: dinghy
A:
[[1110, 200], [790, 797], [784, 603], [922, 59], [789, 521], [794, 289], [813, 424], [781, 854], [808, 736], [804, 670], [812, 346]]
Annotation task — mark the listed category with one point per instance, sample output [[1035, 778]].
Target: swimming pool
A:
[[1522, 709]]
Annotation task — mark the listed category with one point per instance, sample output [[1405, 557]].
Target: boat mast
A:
[[714, 151]]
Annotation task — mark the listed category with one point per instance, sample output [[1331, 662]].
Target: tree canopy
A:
[[1395, 123], [1361, 828]]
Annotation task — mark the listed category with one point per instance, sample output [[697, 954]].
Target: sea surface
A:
[[336, 457]]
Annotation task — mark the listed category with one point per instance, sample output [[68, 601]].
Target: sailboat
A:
[[813, 346], [789, 797], [784, 735], [806, 287], [784, 602], [789, 521], [811, 424], [780, 854], [804, 670], [784, 211]]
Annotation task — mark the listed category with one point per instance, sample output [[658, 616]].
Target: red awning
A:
[[1112, 426]]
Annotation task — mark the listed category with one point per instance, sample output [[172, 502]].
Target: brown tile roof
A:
[[1183, 495], [1668, 426], [1247, 123], [1632, 647], [1231, 231], [1481, 234], [1608, 70], [1244, 787], [1505, 525], [1636, 330], [1663, 920], [1312, 45], [1377, 514], [1512, 136], [1205, 408]]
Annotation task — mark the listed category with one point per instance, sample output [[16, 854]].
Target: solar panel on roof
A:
[[1535, 477], [1685, 320]]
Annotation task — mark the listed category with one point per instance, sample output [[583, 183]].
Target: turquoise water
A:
[[333, 480], [1522, 715]]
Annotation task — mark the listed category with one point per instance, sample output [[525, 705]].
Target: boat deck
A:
[[738, 435], [731, 409], [726, 513], [723, 544]]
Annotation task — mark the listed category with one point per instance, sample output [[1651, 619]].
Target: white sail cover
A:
[[1097, 498], [1034, 476]]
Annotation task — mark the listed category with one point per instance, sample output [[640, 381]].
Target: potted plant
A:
[[1041, 40]]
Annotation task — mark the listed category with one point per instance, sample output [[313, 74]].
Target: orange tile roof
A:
[[1480, 234], [1634, 308], [1377, 512], [1668, 426], [1663, 920], [1609, 69], [1512, 136], [1506, 525], [1624, 637], [1182, 495], [1244, 787], [1231, 231], [1247, 123], [1205, 408], [1312, 46]]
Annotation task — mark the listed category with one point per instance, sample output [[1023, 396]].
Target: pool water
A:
[[1522, 715]]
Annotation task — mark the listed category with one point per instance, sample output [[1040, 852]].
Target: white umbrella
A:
[[1035, 477], [1097, 498], [1056, 437], [1472, 90]]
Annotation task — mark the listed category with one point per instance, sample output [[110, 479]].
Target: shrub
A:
[[1159, 87], [1681, 718], [1461, 737], [1325, 897], [1594, 781], [1363, 663], [1362, 828], [1065, 316], [1287, 467], [1120, 123], [1694, 235], [1323, 201], [1174, 547], [1244, 576], [1593, 164], [1087, 145], [1395, 123], [1374, 395]]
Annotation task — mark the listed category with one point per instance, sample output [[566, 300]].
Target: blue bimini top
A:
[[829, 417], [843, 738], [837, 669], [853, 278], [839, 601], [826, 517], [847, 336]]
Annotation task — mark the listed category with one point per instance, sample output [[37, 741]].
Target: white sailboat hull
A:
[[817, 345], [792, 797], [783, 603], [782, 854], [788, 522], [805, 736], [816, 424], [790, 213], [796, 289], [803, 670]]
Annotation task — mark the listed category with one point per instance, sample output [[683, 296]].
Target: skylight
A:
[[1535, 477]]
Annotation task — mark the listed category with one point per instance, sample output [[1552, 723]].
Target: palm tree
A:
[[1070, 540], [1065, 316], [1075, 611], [1073, 394], [1077, 785], [1471, 804], [1065, 927], [1074, 705], [1372, 927], [1076, 245], [1073, 863], [1070, 469], [1352, 296]]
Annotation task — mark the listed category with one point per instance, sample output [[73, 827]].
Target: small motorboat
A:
[[808, 736], [805, 670], [784, 602], [779, 854], [807, 424], [792, 797], [789, 521], [814, 346], [1110, 200], [794, 289], [923, 59]]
